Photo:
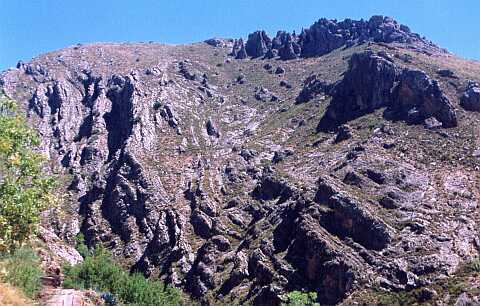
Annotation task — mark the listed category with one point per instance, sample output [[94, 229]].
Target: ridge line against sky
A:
[[30, 28]]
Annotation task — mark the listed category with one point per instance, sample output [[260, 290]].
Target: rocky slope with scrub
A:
[[342, 160]]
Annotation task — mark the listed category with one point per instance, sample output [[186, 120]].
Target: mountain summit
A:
[[326, 35], [343, 160]]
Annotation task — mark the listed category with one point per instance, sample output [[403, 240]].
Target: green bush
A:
[[24, 189], [81, 247], [474, 265], [100, 272], [22, 270], [297, 298]]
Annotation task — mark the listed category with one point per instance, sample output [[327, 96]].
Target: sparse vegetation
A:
[[298, 298], [22, 270], [12, 296], [101, 273], [450, 288], [474, 265], [397, 298]]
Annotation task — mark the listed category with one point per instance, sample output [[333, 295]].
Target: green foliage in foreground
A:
[[297, 298], [22, 269], [100, 272], [24, 189]]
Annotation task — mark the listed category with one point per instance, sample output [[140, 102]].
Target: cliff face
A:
[[242, 179]]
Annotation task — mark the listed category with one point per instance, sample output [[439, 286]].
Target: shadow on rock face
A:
[[271, 188], [321, 264], [119, 120]]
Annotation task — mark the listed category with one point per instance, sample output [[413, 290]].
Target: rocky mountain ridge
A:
[[345, 162], [327, 35]]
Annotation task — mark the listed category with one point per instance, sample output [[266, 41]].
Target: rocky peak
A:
[[327, 35]]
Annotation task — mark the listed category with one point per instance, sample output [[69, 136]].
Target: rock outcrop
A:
[[470, 100], [366, 86], [258, 44], [238, 50], [312, 87], [372, 82], [418, 97], [322, 262], [290, 49], [326, 35]]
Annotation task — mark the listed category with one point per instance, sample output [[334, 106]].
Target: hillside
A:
[[343, 160]]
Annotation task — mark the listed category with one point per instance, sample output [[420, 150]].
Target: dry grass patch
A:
[[10, 296]]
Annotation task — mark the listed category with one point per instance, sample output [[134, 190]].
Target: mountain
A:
[[343, 160]]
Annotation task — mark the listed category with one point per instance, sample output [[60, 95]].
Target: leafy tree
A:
[[297, 298], [24, 188]]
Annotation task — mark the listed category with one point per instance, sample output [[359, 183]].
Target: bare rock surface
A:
[[372, 82], [471, 98]]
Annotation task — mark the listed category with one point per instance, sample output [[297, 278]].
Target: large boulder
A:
[[471, 98], [418, 93], [218, 42], [344, 133], [270, 188]]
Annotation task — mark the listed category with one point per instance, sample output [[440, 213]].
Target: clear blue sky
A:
[[31, 27]]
